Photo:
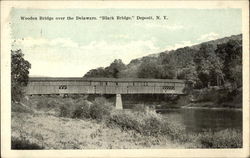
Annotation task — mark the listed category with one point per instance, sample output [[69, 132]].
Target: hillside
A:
[[219, 41], [213, 63], [212, 42]]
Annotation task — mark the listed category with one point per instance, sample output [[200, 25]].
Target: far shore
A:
[[203, 105], [211, 108]]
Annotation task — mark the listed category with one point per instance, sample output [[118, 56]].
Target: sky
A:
[[70, 48]]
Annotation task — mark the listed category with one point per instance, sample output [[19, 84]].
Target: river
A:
[[197, 119]]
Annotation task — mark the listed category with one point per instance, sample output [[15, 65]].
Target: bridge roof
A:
[[103, 79]]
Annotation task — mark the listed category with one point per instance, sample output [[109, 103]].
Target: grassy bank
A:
[[64, 123], [42, 131]]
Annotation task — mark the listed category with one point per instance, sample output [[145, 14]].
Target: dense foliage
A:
[[19, 74], [113, 70], [228, 138], [215, 63], [97, 110]]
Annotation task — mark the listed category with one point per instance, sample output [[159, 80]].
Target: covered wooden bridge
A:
[[117, 86]]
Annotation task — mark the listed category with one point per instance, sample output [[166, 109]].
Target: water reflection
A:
[[197, 120]]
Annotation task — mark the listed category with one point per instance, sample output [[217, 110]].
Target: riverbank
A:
[[64, 123], [210, 105], [206, 98], [216, 98]]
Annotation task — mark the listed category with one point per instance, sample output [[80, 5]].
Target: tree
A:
[[189, 73], [209, 67], [148, 69], [230, 55], [167, 71], [19, 74], [99, 72], [115, 68]]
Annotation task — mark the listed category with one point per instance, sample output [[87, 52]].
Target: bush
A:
[[148, 124], [74, 109], [182, 100], [84, 109], [100, 109], [228, 138], [209, 95], [174, 130], [24, 144], [42, 104], [152, 126], [64, 112], [125, 120], [139, 108], [17, 107]]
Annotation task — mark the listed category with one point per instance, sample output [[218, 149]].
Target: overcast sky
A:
[[71, 48]]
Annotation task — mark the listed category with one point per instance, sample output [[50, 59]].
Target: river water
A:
[[197, 120]]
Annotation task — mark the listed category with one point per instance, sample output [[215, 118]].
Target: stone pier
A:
[[118, 102]]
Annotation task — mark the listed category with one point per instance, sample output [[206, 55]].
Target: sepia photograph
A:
[[87, 78]]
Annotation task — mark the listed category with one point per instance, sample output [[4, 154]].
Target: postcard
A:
[[125, 79]]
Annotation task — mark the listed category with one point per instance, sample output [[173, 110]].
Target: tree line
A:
[[209, 65]]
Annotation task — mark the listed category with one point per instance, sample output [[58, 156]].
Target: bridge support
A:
[[118, 101]]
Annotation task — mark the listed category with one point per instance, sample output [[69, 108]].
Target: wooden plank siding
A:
[[103, 86]]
